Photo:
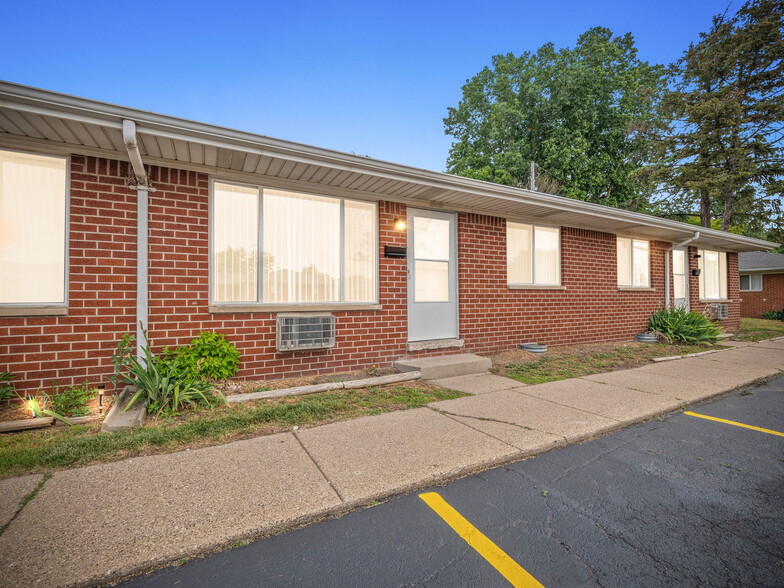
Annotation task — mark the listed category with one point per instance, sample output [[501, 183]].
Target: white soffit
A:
[[38, 119]]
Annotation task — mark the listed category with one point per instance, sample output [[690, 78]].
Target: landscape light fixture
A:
[[101, 389]]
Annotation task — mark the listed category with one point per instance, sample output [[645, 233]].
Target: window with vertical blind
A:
[[278, 247], [751, 282], [713, 274], [33, 199], [533, 255], [633, 263]]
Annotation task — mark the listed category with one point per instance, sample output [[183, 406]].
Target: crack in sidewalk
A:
[[26, 499], [318, 467], [468, 416]]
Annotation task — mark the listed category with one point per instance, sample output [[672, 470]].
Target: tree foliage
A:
[[723, 152], [583, 114]]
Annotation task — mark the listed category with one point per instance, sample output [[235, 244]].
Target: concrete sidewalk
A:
[[99, 523]]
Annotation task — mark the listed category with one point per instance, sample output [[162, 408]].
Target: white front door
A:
[[432, 275], [680, 278]]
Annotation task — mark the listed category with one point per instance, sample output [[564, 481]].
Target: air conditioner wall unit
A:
[[305, 331], [719, 311]]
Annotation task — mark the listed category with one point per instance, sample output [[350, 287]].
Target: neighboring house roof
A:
[[67, 124], [761, 261]]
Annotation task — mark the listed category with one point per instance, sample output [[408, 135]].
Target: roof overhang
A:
[[50, 122]]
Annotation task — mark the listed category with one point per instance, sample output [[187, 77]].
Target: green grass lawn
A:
[[62, 447], [752, 329], [577, 361]]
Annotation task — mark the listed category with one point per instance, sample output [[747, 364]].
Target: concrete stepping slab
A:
[[109, 520], [445, 366], [528, 441], [394, 452], [512, 406], [669, 386], [478, 383], [620, 404], [12, 490]]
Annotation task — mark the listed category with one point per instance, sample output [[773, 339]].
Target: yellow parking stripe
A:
[[495, 556], [710, 418]]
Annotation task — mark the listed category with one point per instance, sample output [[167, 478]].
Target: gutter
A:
[[143, 188], [694, 237]]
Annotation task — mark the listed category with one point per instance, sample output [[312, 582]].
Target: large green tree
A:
[[723, 154], [582, 114]]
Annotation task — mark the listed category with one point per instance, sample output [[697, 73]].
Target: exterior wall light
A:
[[400, 224]]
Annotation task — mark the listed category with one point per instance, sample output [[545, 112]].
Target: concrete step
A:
[[445, 366]]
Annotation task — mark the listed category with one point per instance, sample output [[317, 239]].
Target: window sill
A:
[[534, 287], [715, 300], [634, 289], [243, 308], [33, 311], [742, 291]]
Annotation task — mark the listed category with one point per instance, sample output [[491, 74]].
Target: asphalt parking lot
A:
[[681, 500]]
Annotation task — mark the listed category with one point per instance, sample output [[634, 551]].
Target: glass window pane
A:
[[431, 279], [723, 275], [624, 262], [711, 264], [679, 283], [756, 282], [678, 262], [518, 253], [32, 229], [431, 238], [235, 243], [547, 244], [360, 251], [301, 236], [745, 282], [641, 260]]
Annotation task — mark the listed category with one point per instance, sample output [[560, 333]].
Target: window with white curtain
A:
[[32, 229], [533, 255], [279, 247], [633, 263], [751, 283], [713, 274]]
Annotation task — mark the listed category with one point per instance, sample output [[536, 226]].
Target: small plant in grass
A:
[[7, 389], [773, 315], [73, 401], [166, 386], [678, 325], [210, 356], [39, 406]]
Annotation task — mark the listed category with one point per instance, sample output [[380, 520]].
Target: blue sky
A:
[[373, 78]]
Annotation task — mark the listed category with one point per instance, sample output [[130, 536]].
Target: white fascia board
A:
[[70, 107]]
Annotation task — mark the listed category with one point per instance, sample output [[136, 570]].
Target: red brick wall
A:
[[67, 350], [753, 304], [731, 323], [102, 287]]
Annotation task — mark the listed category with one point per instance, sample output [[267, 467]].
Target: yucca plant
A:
[[6, 386], [678, 325], [165, 386]]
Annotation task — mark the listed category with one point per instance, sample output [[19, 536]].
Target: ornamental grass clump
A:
[[166, 386], [678, 325]]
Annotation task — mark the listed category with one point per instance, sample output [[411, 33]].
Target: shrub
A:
[[774, 315], [682, 326], [6, 387], [73, 401], [165, 385], [210, 356]]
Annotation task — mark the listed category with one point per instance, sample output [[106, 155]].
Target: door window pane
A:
[[679, 283], [431, 238], [431, 279], [301, 244], [235, 243], [32, 229], [678, 262]]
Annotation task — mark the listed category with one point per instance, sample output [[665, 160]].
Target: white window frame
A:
[[750, 288], [723, 275], [259, 304], [534, 283], [632, 286], [48, 308]]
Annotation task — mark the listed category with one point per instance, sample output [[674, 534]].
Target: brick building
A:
[[761, 283], [308, 260]]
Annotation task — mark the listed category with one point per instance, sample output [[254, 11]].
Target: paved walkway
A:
[[98, 523]]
